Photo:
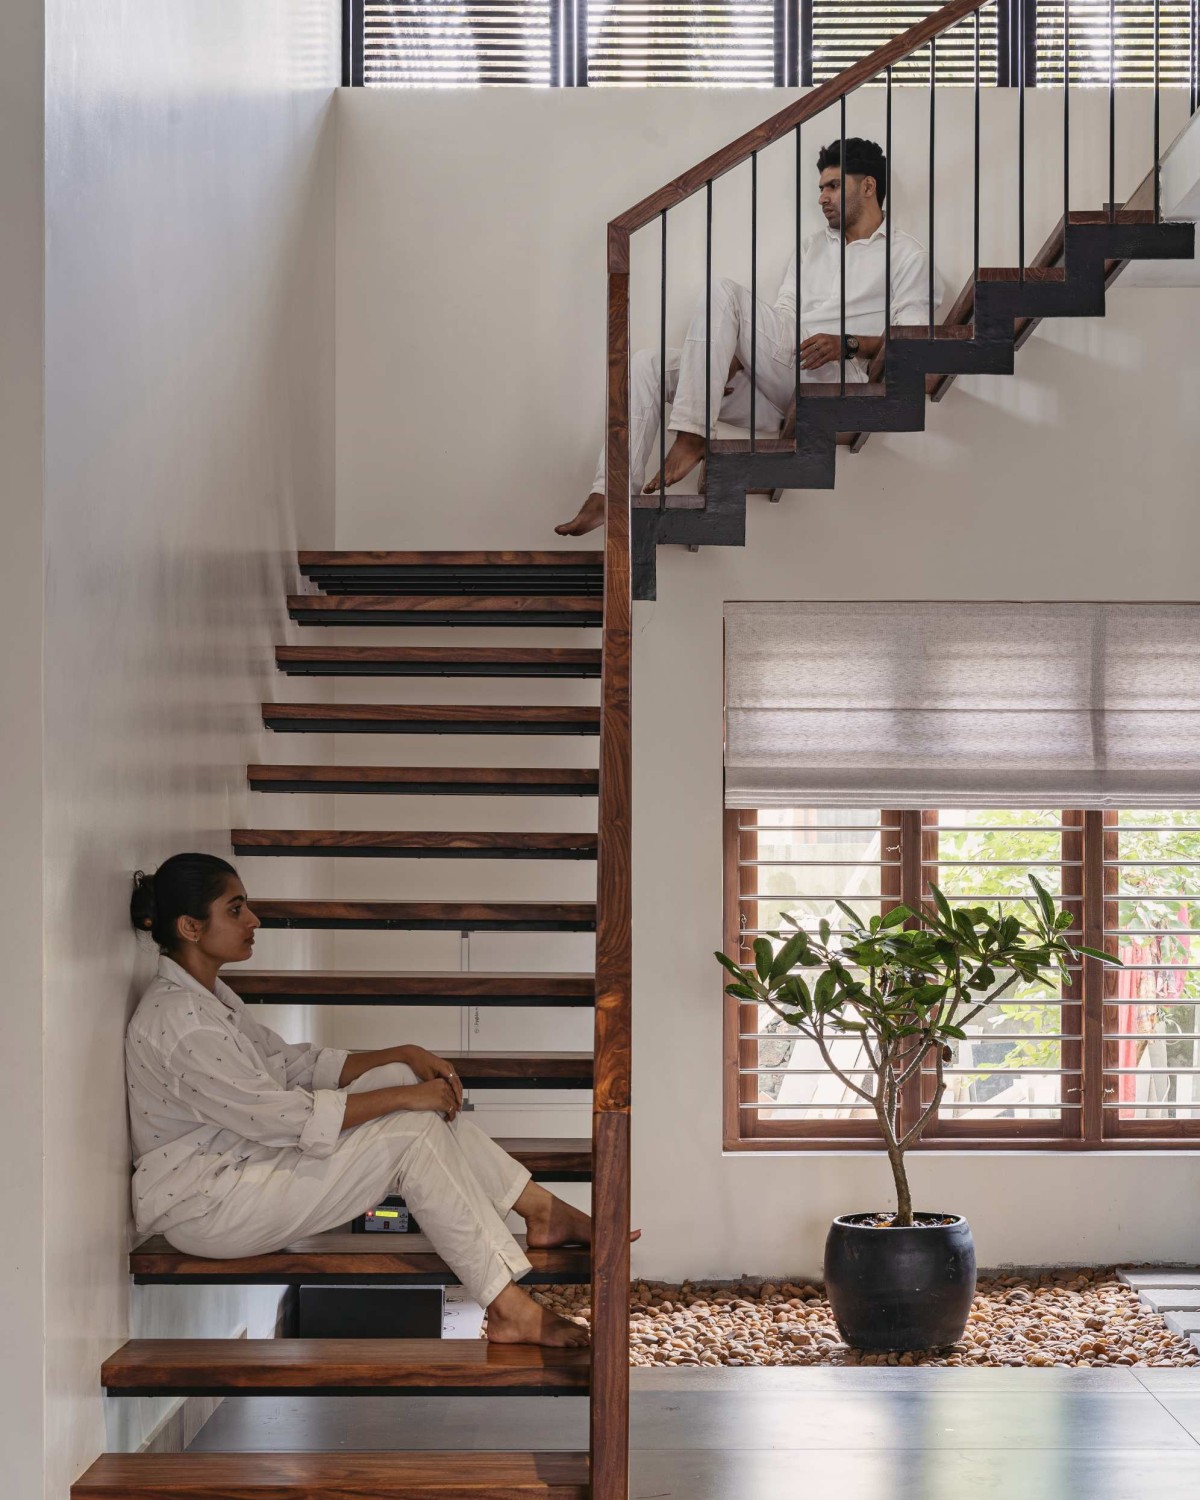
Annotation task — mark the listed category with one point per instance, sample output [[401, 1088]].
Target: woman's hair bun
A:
[[143, 908], [186, 885]]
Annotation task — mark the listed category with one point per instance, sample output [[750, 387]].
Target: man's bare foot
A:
[[682, 457], [589, 517], [515, 1318], [549, 1222]]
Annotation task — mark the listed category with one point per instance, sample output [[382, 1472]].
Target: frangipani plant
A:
[[905, 986]]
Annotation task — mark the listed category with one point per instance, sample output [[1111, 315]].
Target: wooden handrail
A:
[[787, 119]]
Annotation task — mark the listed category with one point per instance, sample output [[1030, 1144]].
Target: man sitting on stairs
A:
[[820, 351], [244, 1143]]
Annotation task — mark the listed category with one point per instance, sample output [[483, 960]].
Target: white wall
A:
[[470, 365], [189, 450], [21, 1229]]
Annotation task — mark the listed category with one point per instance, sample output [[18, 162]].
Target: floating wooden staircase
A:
[[481, 591]]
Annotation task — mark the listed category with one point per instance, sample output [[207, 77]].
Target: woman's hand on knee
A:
[[438, 1095], [428, 1066]]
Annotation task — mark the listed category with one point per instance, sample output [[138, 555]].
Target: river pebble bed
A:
[[1061, 1317]]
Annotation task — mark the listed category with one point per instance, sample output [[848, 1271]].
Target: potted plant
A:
[[904, 986]]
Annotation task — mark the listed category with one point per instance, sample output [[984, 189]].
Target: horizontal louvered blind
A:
[[844, 31], [712, 42], [455, 43], [1132, 59]]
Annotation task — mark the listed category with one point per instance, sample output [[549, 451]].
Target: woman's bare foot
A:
[[682, 457], [515, 1318], [589, 517], [549, 1222]]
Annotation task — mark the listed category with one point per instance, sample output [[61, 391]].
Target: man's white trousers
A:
[[775, 378], [455, 1179]]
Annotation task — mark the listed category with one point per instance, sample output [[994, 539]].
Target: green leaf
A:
[[740, 992], [954, 1031], [795, 947], [1108, 958], [723, 958], [823, 995], [763, 956], [855, 920], [1045, 901], [824, 929], [943, 905], [896, 917]]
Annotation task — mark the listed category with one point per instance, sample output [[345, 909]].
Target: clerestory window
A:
[[747, 43]]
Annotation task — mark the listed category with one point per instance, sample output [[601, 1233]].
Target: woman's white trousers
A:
[[455, 1179]]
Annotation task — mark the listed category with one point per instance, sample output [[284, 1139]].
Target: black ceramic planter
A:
[[900, 1288]]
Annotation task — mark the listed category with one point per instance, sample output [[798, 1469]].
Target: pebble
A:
[[1080, 1318]]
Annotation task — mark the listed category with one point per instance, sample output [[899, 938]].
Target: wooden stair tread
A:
[[367, 1366], [421, 842], [433, 718], [424, 987], [556, 558], [1034, 273], [518, 1067], [339, 1475], [464, 609], [477, 916], [384, 1260], [460, 780], [457, 661]]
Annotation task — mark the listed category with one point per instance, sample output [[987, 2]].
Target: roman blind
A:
[[452, 43], [710, 42], [920, 704]]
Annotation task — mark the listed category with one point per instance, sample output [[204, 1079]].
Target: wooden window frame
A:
[[1089, 1016]]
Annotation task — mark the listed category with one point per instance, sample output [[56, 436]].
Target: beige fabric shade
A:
[[920, 704]]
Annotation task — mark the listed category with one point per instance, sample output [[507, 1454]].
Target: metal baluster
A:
[[932, 170], [1066, 115], [1157, 120], [799, 257], [581, 44], [1021, 142], [1112, 110], [707, 325], [842, 252], [753, 291], [887, 223], [662, 373], [975, 225]]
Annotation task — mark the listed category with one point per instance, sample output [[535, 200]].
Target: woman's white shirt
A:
[[212, 1090]]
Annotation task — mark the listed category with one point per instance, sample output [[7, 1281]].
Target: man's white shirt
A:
[[866, 262]]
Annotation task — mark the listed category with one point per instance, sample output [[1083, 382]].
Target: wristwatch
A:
[[850, 345]]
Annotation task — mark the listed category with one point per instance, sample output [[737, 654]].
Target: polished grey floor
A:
[[856, 1434]]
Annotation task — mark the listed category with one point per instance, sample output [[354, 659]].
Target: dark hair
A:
[[863, 159], [186, 885]]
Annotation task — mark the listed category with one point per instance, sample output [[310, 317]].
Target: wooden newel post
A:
[[614, 921]]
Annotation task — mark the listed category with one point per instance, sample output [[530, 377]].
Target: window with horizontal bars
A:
[[466, 43], [1106, 1056], [1125, 47]]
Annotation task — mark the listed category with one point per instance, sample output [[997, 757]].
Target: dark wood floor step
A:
[[1034, 274], [562, 571], [550, 1159], [422, 844], [425, 781], [360, 1367], [429, 916], [307, 987], [579, 610], [432, 718], [338, 1258], [523, 1070], [455, 1475], [437, 661]]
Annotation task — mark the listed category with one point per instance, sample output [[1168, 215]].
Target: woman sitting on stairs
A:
[[244, 1143]]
